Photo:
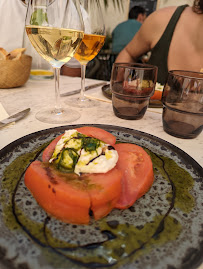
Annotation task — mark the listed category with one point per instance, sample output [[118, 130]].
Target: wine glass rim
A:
[[186, 74], [135, 65]]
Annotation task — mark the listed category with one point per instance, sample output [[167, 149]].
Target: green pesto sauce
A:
[[66, 159], [10, 179], [128, 237], [181, 179]]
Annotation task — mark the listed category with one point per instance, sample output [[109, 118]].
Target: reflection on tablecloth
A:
[[3, 113]]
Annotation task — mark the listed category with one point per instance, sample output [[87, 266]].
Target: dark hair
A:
[[135, 11], [198, 6]]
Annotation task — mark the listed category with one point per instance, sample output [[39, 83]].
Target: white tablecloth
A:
[[37, 94]]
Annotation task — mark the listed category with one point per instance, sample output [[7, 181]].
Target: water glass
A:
[[132, 85], [182, 100]]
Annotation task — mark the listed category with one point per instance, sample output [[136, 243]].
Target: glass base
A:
[[85, 103], [49, 115], [180, 132]]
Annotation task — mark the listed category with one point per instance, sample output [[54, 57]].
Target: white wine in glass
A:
[[92, 42], [55, 30]]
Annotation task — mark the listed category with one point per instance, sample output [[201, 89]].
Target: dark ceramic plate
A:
[[162, 230], [107, 93]]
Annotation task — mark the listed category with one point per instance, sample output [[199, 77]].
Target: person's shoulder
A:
[[163, 14], [120, 25], [166, 10], [159, 18], [128, 22], [155, 24], [134, 22], [123, 23]]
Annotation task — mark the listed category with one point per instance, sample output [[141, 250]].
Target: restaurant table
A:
[[37, 94]]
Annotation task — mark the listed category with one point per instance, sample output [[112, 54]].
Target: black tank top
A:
[[159, 54]]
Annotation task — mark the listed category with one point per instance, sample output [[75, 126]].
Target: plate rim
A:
[[171, 146], [181, 154]]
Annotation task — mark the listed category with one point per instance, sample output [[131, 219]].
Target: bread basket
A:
[[15, 73]]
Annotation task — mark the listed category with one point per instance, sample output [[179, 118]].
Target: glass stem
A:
[[58, 107], [82, 92]]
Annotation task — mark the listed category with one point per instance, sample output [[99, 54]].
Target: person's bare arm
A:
[[137, 47], [148, 35]]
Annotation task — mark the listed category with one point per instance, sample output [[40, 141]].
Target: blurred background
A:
[[116, 12], [120, 9]]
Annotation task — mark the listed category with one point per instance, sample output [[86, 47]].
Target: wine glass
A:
[[55, 29], [93, 41]]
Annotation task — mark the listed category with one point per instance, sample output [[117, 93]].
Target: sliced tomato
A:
[[69, 197], [104, 190], [98, 133], [157, 95], [137, 173], [61, 196]]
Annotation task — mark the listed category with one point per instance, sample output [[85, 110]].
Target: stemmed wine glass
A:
[[55, 29], [93, 41]]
